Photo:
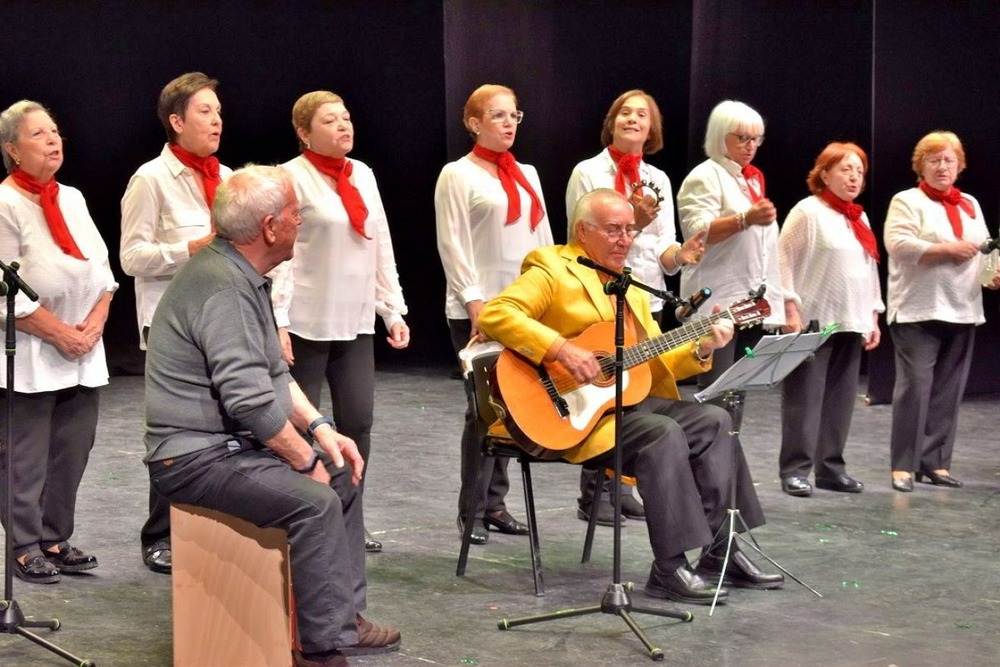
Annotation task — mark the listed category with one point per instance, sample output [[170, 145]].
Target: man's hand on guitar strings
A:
[[582, 364]]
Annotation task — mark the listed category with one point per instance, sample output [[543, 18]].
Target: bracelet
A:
[[697, 353], [677, 257], [309, 467], [741, 220], [316, 423]]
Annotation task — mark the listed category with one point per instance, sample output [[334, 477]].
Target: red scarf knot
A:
[[49, 200], [207, 166], [754, 175], [627, 173], [510, 177], [852, 212], [952, 200], [340, 170]]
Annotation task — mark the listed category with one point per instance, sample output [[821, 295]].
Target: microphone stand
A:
[[616, 598], [12, 620]]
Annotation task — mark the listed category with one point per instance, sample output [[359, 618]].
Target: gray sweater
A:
[[214, 367]]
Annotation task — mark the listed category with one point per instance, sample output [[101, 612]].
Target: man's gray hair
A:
[[10, 124], [583, 211], [247, 197]]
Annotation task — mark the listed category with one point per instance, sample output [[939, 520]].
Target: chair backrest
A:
[[481, 366]]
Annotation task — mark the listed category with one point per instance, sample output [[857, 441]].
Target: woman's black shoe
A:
[[479, 534], [938, 479], [904, 484], [71, 560], [372, 545], [505, 523], [36, 570]]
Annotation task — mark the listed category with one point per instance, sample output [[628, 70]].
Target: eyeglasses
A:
[[936, 161], [500, 116], [615, 233], [745, 139]]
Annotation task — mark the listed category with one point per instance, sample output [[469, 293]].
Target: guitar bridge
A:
[[560, 404]]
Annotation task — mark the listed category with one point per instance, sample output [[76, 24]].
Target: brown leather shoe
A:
[[335, 659], [373, 639]]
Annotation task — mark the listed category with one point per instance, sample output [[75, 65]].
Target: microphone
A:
[[689, 307], [989, 245]]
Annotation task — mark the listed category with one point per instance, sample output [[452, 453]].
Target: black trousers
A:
[[685, 461], [53, 435], [817, 404], [325, 531], [932, 365], [494, 482]]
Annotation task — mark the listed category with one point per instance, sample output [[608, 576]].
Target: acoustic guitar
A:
[[548, 412]]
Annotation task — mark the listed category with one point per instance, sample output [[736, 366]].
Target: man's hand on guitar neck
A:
[[721, 334], [582, 364]]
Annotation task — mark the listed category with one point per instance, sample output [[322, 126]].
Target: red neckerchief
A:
[[510, 177], [49, 199], [207, 166], [952, 201], [751, 174], [852, 212], [628, 168], [340, 170]]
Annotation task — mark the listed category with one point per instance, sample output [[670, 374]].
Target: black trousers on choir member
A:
[[494, 482], [53, 434], [323, 523], [817, 404], [684, 460], [932, 365]]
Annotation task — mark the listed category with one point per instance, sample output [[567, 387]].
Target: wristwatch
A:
[[309, 467]]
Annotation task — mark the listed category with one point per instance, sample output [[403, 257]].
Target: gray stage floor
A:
[[907, 579]]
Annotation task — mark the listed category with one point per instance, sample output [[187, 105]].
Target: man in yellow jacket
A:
[[681, 453]]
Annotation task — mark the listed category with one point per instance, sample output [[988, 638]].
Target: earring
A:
[[309, 146], [17, 162]]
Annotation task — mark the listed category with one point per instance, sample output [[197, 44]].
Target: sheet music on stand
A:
[[767, 364]]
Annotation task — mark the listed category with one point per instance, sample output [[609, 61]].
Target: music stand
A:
[[767, 364]]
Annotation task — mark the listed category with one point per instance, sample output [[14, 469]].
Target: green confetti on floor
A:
[[963, 626], [889, 533], [467, 661]]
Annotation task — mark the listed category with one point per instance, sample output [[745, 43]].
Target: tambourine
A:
[[648, 184]]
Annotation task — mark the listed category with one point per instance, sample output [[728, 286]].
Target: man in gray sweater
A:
[[223, 418]]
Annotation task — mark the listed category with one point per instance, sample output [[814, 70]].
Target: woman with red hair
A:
[[829, 272]]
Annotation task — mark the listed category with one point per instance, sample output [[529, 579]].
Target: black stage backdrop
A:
[[880, 73]]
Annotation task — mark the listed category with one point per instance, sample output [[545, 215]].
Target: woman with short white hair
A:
[[725, 196]]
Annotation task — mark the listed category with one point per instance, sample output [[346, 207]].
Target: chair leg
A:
[[536, 551], [470, 518], [595, 501]]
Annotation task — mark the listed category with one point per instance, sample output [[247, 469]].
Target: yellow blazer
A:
[[555, 297]]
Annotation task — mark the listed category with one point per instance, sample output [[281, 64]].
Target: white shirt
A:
[[744, 261], [480, 253], [644, 255], [945, 291], [825, 270], [337, 280], [163, 208], [67, 287]]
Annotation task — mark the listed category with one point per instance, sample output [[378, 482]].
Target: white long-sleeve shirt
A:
[[742, 262], [644, 255], [163, 208], [945, 291], [67, 287], [480, 253], [337, 281], [825, 271]]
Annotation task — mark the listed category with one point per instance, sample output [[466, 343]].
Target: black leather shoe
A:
[[796, 486], [479, 534], [632, 508], [372, 545], [71, 560], [605, 513], [36, 570], [157, 557], [682, 585], [937, 479], [843, 483], [904, 484], [504, 523], [741, 572]]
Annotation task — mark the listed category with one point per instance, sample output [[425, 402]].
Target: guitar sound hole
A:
[[607, 376]]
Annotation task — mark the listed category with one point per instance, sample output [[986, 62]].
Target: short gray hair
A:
[[584, 209], [729, 116], [10, 125], [247, 197]]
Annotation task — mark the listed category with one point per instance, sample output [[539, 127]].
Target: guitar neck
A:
[[642, 352]]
